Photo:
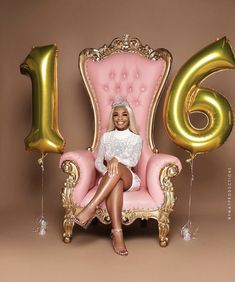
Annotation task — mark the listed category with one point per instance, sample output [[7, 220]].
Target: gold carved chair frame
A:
[[124, 44]]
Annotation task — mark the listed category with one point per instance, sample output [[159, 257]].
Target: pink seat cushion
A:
[[131, 200]]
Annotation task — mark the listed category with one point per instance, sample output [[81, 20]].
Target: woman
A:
[[121, 148]]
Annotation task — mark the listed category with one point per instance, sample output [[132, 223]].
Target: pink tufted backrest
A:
[[132, 76]]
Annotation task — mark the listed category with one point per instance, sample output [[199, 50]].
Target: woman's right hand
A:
[[112, 167]]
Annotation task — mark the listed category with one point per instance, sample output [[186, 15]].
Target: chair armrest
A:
[[80, 165], [160, 168]]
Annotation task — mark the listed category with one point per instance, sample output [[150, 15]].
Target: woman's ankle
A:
[[117, 233], [116, 230]]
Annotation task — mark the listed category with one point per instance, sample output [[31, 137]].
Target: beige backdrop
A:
[[183, 27]]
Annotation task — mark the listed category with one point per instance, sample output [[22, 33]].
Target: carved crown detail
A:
[[126, 44]]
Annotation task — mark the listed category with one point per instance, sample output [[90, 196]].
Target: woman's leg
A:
[[114, 204], [105, 187]]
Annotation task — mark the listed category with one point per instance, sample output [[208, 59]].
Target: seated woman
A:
[[121, 148]]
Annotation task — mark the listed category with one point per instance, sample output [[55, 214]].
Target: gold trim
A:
[[166, 174], [118, 45], [73, 171], [128, 216]]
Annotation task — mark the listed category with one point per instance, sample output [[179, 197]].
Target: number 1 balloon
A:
[[185, 96], [41, 66]]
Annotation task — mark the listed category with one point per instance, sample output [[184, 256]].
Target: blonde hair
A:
[[132, 122]]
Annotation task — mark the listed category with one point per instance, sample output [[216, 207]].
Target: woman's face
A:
[[120, 118]]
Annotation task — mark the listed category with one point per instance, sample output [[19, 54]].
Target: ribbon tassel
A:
[[42, 223]]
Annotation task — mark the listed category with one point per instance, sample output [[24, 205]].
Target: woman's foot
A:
[[85, 217], [118, 242]]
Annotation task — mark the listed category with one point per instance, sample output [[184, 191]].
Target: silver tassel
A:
[[186, 231], [42, 226]]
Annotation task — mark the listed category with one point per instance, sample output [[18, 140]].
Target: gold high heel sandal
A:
[[122, 253], [86, 224]]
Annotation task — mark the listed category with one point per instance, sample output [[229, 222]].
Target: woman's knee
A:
[[122, 172]]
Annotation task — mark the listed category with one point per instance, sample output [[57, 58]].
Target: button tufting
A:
[[118, 88], [130, 89], [106, 88], [137, 75], [142, 89], [124, 75], [112, 75], [136, 102]]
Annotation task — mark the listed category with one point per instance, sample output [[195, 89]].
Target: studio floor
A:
[[26, 256]]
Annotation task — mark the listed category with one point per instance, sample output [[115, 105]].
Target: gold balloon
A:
[[186, 96], [41, 66]]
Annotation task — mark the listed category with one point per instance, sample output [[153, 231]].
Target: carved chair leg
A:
[[164, 228], [68, 225]]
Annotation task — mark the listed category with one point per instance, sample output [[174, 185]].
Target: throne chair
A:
[[138, 73]]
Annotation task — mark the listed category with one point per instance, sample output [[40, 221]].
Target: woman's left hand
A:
[[112, 166]]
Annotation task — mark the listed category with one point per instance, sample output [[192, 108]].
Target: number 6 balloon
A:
[[41, 66], [185, 96]]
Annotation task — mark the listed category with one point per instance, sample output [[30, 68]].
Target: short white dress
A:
[[125, 146]]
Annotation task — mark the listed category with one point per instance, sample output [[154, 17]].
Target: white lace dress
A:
[[125, 146]]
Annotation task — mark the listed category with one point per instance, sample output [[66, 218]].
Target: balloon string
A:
[[41, 163], [42, 224], [186, 231], [42, 203], [190, 193]]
